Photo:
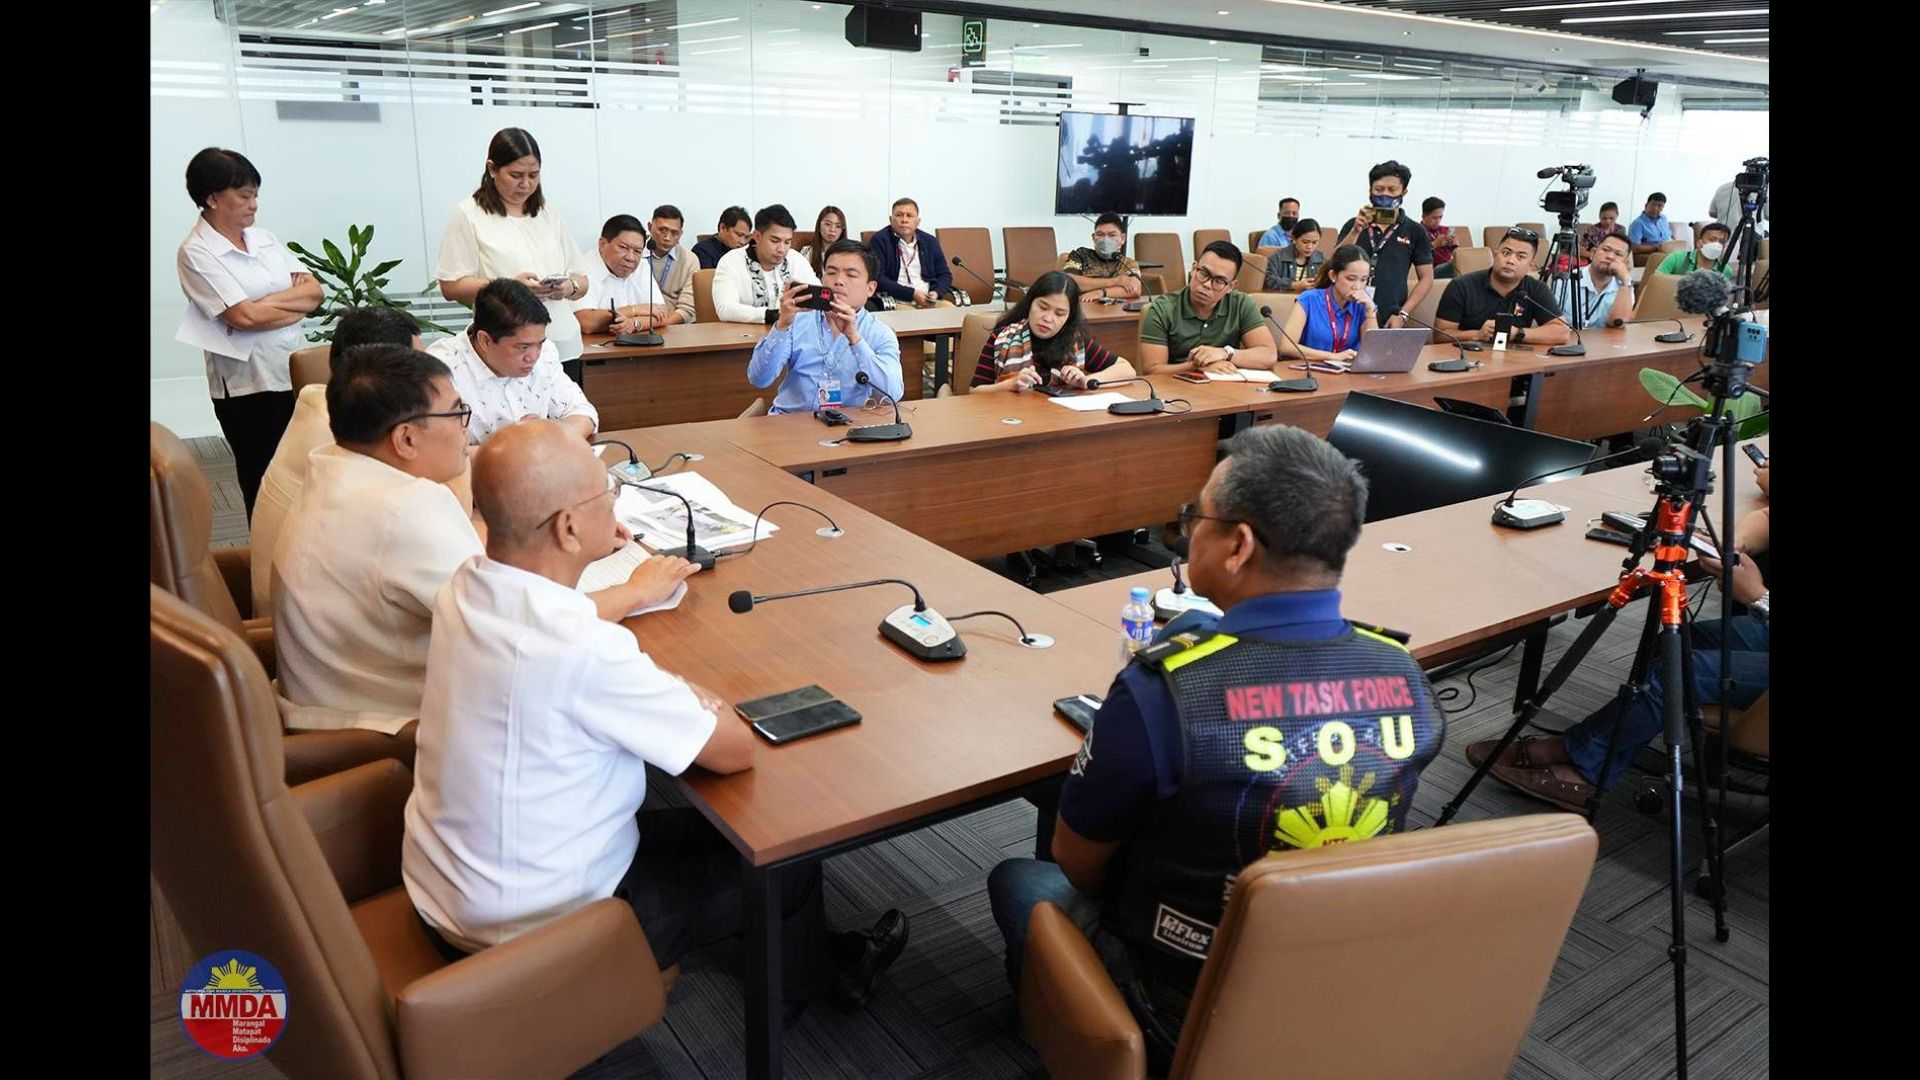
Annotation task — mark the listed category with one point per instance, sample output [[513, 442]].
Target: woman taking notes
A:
[[1328, 320], [245, 298], [1044, 339], [506, 229]]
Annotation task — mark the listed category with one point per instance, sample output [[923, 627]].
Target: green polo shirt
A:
[[1685, 262], [1170, 321]]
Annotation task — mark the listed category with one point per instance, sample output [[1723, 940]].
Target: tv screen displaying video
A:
[[1123, 164]]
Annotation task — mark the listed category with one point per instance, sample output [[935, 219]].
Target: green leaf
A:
[[1667, 390], [383, 268], [366, 235], [353, 236], [333, 253]]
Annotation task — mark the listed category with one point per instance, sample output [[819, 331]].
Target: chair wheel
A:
[[1722, 935], [1647, 800]]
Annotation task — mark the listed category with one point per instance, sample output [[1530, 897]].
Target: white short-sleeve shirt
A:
[[604, 288], [537, 725], [355, 573], [500, 400], [215, 275], [280, 487], [479, 244]]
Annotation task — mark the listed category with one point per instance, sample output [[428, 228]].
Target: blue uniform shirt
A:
[[809, 352], [1646, 230]]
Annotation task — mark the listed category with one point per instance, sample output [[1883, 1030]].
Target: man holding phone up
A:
[[1394, 243], [822, 344]]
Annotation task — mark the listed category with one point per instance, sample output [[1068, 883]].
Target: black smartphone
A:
[[811, 720], [820, 299], [1622, 521], [1053, 391], [1079, 709], [1755, 454], [832, 417], [775, 704], [1611, 536]]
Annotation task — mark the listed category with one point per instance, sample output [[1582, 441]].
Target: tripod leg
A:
[[1672, 670], [1709, 820]]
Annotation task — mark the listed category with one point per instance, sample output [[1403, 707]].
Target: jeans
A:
[[1594, 746]]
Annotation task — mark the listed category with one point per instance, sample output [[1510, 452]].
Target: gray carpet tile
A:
[[946, 1012]]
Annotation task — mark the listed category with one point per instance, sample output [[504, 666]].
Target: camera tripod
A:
[[1743, 248], [1573, 284]]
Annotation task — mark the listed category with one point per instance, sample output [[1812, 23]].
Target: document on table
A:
[[660, 520], [1090, 402], [1245, 375], [616, 568]]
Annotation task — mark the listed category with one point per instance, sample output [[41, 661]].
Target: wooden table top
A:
[[932, 735]]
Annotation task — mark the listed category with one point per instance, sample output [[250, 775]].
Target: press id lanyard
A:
[[1339, 328]]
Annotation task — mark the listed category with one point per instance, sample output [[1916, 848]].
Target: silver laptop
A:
[[1386, 350]]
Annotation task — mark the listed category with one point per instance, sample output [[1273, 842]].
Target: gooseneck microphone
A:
[[1140, 407], [1304, 385], [635, 469], [833, 531], [1458, 363], [692, 552], [1678, 336], [1532, 513], [916, 628], [1579, 346], [975, 274], [893, 432]]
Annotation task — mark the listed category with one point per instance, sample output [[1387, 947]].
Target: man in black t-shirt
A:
[[1392, 249], [1470, 305]]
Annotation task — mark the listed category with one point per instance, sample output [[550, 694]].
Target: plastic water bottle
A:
[[1136, 623]]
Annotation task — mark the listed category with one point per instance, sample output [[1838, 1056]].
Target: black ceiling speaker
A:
[[872, 27], [1638, 90]]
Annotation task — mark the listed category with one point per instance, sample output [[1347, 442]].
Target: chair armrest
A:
[[236, 566], [544, 1004], [358, 816], [311, 755], [259, 635], [1070, 1009]]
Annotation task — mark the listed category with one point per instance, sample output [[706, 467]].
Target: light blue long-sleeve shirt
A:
[[1646, 230], [809, 353]]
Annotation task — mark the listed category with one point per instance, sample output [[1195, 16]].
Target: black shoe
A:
[[862, 955]]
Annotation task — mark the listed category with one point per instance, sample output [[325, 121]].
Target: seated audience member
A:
[[1571, 771], [1610, 277], [307, 431], [821, 353], [734, 230], [1207, 325], [749, 280], [1475, 303], [505, 368], [1708, 246], [643, 279], [1182, 783], [536, 728], [912, 268], [829, 228], [1105, 269], [1439, 235], [1296, 268], [1608, 224], [1282, 232], [1043, 340], [1329, 319], [1651, 228]]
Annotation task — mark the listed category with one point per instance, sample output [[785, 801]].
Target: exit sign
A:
[[973, 43]]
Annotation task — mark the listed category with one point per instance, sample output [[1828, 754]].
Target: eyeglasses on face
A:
[[1201, 277], [461, 410], [613, 485]]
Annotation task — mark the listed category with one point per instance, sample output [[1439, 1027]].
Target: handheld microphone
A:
[[635, 469], [1672, 337], [893, 432], [1458, 363], [916, 628], [1533, 513], [692, 552], [1278, 386], [1141, 407], [1579, 346]]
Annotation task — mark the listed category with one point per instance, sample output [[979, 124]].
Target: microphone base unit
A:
[[1673, 337], [1305, 385], [1472, 346], [1528, 514], [1135, 305], [1449, 365], [923, 635], [880, 433], [696, 555], [1168, 604], [1568, 350], [1137, 408], [643, 338]]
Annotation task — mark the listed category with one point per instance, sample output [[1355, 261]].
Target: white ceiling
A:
[[1391, 30]]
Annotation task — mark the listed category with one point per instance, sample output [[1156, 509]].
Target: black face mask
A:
[[1288, 223]]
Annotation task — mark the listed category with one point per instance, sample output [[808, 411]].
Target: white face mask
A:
[[1710, 251], [1106, 245]]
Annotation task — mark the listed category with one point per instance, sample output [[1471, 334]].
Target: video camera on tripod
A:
[[1754, 180], [1579, 180]]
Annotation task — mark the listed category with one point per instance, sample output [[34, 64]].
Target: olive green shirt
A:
[[1170, 321]]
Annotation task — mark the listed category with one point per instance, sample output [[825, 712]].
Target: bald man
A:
[[537, 726]]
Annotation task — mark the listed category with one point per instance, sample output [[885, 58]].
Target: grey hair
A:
[[1302, 498]]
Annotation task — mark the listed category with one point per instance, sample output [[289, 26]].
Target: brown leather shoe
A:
[[1520, 752], [1541, 783]]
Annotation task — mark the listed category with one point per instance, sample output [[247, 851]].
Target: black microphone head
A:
[[1544, 174], [1178, 546], [1266, 311], [1617, 323], [1702, 292], [861, 378], [1093, 384], [1648, 449], [740, 602]]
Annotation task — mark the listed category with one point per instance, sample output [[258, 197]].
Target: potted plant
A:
[[1668, 392], [348, 286]]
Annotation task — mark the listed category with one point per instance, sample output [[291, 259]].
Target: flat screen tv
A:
[[1123, 164]]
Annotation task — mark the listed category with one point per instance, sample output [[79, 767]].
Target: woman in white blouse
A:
[[246, 297], [506, 229]]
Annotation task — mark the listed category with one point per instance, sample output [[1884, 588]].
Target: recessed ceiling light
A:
[[1656, 18], [540, 26], [1736, 41], [1223, 11], [505, 10]]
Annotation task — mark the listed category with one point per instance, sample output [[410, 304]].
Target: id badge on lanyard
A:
[[830, 395]]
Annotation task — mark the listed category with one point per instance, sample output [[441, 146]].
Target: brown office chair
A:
[[1031, 251], [1163, 248], [703, 311], [1668, 247], [1657, 296], [1468, 919], [1429, 305], [1462, 237], [703, 237], [974, 248], [1491, 236], [1540, 249], [1329, 239], [310, 877], [1253, 273], [866, 236], [803, 239], [1203, 237], [974, 330], [1760, 270], [1766, 247], [311, 365], [1253, 239], [1282, 304], [1470, 259], [758, 408]]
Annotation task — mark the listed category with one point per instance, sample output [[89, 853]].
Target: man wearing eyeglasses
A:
[[644, 280], [1207, 325], [1275, 727], [506, 369], [1505, 295]]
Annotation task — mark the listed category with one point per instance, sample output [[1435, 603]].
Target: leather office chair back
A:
[[1470, 259], [1657, 296], [1766, 247], [1750, 730], [758, 408], [703, 310], [1253, 272], [1454, 931], [1163, 248], [1668, 247], [1329, 239], [803, 239], [1540, 249], [974, 330], [1429, 306], [1462, 237], [1491, 235], [866, 236], [1282, 305], [180, 529], [1031, 251], [1253, 239], [311, 365], [974, 248], [1203, 237]]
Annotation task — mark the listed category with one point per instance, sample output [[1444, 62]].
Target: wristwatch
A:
[[1762, 609], [1519, 334], [1230, 350]]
